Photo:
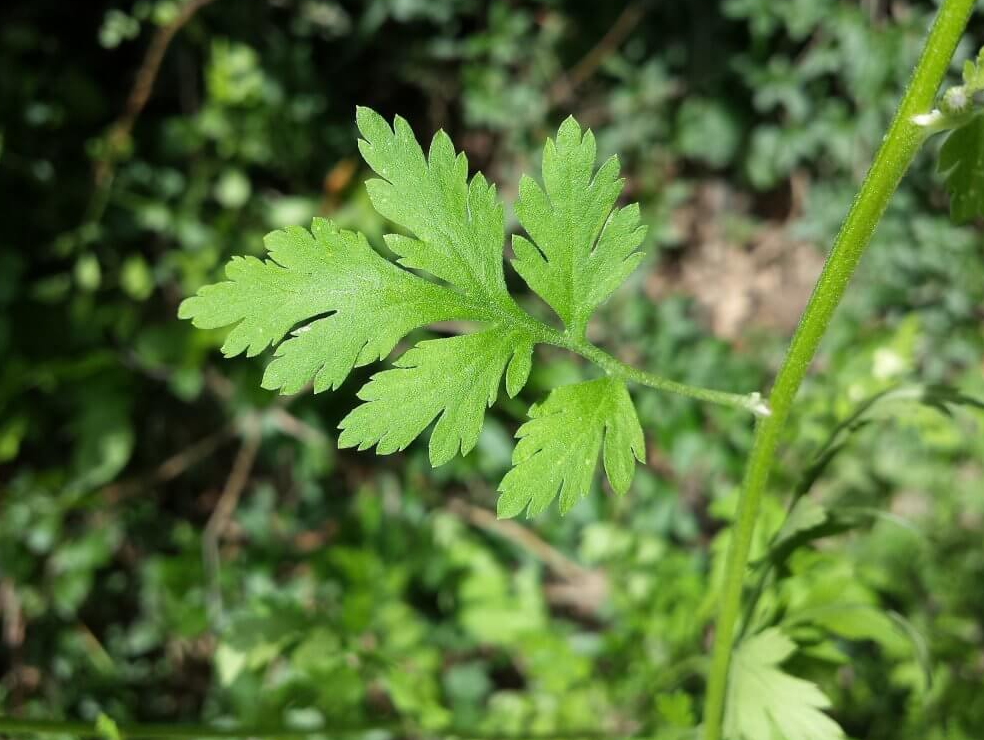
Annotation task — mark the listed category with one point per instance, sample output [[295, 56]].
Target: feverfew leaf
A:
[[765, 703], [346, 306], [558, 448], [962, 165], [454, 379], [582, 249], [372, 305], [458, 225]]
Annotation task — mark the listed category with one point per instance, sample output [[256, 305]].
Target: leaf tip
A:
[[187, 308]]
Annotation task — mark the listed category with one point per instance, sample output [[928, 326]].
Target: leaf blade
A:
[[766, 702], [962, 165], [457, 224], [559, 446], [371, 304], [399, 404], [580, 247]]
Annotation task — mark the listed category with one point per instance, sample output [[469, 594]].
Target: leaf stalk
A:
[[752, 402]]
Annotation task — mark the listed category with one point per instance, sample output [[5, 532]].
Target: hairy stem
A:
[[899, 146], [749, 402], [541, 333], [544, 334]]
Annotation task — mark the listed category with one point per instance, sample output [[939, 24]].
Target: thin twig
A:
[[120, 131], [297, 428], [218, 522], [13, 616], [219, 384], [565, 86], [582, 589], [527, 539], [172, 467], [104, 169]]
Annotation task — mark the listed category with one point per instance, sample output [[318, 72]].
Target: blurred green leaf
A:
[[764, 701], [962, 165]]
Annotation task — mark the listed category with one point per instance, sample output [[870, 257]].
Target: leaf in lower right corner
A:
[[962, 165], [766, 703]]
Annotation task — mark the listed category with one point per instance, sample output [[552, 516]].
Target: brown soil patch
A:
[[761, 278]]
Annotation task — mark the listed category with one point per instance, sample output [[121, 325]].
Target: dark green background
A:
[[350, 587]]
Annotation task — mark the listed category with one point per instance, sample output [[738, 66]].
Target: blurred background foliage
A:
[[177, 544]]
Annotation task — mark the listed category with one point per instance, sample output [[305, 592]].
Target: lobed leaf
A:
[[371, 303], [458, 224], [558, 448], [962, 165], [453, 379], [766, 703], [582, 249], [346, 306]]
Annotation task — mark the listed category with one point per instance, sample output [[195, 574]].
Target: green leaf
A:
[[106, 728], [372, 305], [345, 306], [804, 521], [941, 397], [973, 74], [458, 225], [805, 515], [402, 402], [920, 648], [676, 709], [558, 448], [798, 530], [962, 165], [765, 703], [582, 248], [851, 621]]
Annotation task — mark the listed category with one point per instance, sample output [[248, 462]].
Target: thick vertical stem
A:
[[898, 148]]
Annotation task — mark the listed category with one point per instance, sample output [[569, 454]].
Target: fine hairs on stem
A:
[[903, 139]]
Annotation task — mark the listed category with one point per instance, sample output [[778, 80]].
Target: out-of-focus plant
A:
[[335, 592], [580, 248]]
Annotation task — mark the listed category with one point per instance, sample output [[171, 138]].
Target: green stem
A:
[[749, 402], [543, 334], [899, 146], [11, 725]]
